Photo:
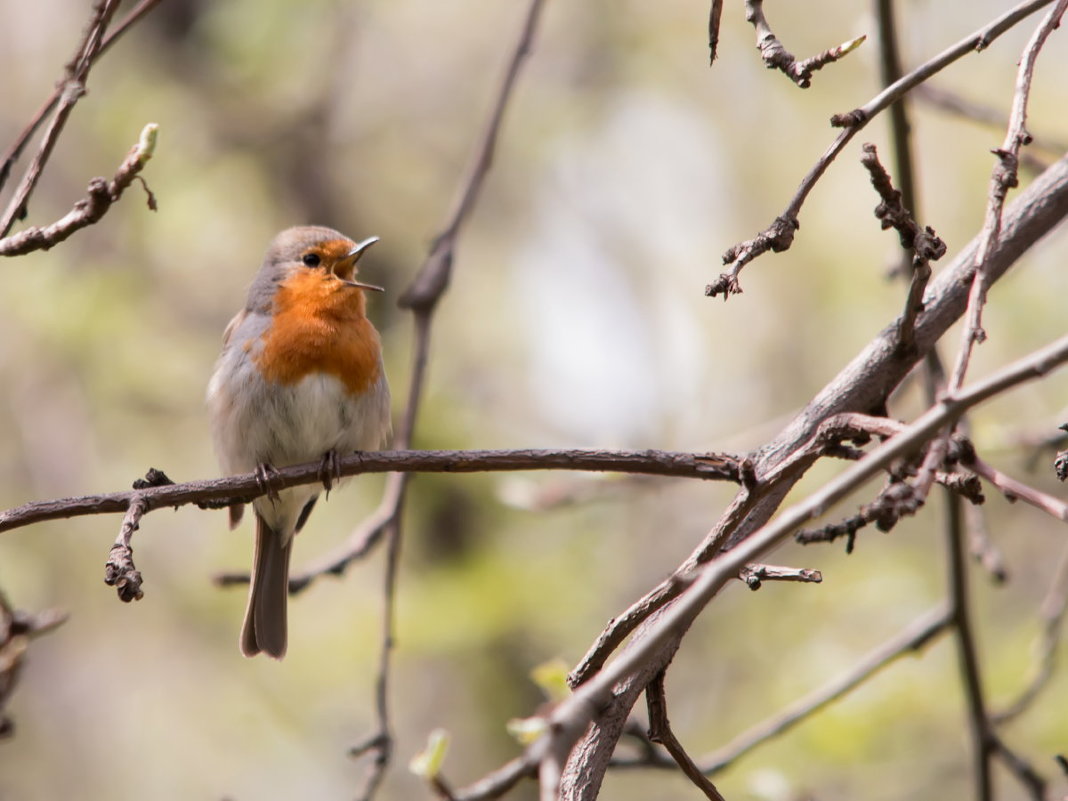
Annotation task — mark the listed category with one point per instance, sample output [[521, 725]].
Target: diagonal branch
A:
[[571, 718], [7, 161], [101, 195], [779, 235], [72, 89]]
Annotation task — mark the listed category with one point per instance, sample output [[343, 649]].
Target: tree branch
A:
[[635, 666], [779, 235], [1003, 178], [101, 194], [73, 88], [11, 156]]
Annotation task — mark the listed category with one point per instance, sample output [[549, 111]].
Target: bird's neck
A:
[[310, 295]]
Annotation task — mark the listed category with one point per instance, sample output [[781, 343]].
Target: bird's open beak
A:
[[356, 252], [353, 256]]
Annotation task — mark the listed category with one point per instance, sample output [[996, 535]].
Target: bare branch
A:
[[76, 74], [428, 286], [17, 628], [779, 235], [7, 161], [777, 57], [246, 486], [422, 296], [913, 638], [755, 574], [101, 194], [1051, 615], [660, 732], [1015, 490], [572, 716], [1003, 178], [714, 14], [923, 244]]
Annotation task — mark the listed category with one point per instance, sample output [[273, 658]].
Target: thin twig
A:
[[777, 57], [923, 244], [982, 547], [714, 14], [422, 297], [779, 235], [950, 102], [660, 732], [17, 628], [101, 195], [890, 70], [755, 574], [1020, 768], [7, 161], [1015, 490], [1051, 615], [979, 726], [75, 76], [1003, 178], [120, 571], [912, 639]]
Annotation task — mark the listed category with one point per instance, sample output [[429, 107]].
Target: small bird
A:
[[300, 378]]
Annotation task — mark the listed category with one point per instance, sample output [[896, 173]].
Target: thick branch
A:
[[604, 691], [863, 385]]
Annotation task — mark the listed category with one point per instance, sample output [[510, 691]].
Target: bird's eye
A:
[[311, 259]]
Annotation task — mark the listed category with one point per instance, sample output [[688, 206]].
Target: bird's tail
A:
[[264, 628]]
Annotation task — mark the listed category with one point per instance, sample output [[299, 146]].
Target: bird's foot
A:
[[267, 479], [330, 470]]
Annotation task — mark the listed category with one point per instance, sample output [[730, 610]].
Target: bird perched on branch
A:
[[300, 378]]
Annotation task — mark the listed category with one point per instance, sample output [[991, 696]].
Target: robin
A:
[[300, 378]]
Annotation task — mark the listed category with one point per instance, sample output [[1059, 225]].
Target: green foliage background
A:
[[575, 318]]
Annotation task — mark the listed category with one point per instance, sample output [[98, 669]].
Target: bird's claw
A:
[[267, 479], [329, 470]]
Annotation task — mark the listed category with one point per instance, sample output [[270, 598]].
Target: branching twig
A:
[[923, 244], [101, 194], [864, 383], [75, 76], [660, 732], [7, 161], [1002, 179], [17, 628], [779, 235], [777, 57], [422, 297]]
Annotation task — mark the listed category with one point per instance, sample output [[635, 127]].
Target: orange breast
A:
[[319, 326]]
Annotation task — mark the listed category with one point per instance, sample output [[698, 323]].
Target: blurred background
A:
[[576, 317]]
